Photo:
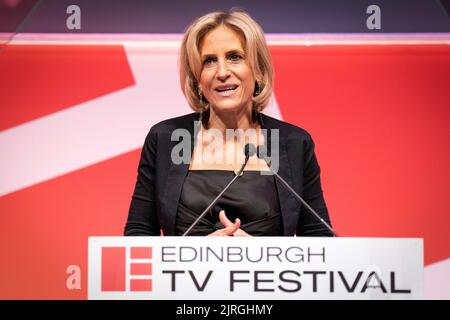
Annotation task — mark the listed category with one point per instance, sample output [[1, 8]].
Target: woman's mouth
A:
[[226, 90]]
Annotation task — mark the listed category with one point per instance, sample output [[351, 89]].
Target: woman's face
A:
[[226, 79]]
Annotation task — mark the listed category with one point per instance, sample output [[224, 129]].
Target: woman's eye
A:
[[208, 61], [235, 57]]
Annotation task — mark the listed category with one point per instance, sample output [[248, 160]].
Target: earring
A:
[[200, 95]]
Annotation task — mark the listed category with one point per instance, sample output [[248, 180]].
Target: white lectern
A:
[[254, 268]]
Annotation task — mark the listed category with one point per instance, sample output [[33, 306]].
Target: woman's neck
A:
[[241, 119]]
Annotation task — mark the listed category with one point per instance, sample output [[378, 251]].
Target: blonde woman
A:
[[226, 74]]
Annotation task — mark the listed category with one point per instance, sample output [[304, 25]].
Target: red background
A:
[[378, 114]]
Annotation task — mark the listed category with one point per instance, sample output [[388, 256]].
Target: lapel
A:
[[288, 205], [175, 179]]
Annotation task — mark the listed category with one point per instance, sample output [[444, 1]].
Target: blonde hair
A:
[[256, 50]]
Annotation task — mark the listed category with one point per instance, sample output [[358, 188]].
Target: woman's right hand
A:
[[229, 230], [227, 223]]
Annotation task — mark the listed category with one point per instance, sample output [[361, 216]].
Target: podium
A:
[[254, 268]]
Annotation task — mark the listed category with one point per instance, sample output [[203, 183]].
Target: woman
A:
[[226, 75]]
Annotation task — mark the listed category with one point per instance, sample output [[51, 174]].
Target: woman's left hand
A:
[[227, 223]]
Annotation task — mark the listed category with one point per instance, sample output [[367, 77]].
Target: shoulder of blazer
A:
[[287, 130], [181, 122]]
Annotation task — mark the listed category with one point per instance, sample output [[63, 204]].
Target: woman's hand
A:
[[230, 227], [227, 223]]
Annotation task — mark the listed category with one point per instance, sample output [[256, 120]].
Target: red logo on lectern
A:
[[126, 269]]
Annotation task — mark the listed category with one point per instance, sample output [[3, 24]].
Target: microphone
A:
[[262, 155], [249, 150]]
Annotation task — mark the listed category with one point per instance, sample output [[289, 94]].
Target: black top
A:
[[252, 198], [160, 180]]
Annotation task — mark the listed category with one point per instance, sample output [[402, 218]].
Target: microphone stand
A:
[[297, 196]]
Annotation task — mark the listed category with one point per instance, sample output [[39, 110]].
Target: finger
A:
[[218, 233], [228, 231], [224, 219], [241, 233], [234, 227], [227, 223]]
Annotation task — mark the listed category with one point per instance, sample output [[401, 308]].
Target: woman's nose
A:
[[223, 71]]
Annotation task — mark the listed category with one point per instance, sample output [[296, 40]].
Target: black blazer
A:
[[159, 182]]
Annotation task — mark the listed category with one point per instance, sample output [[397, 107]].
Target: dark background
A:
[[171, 16]]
